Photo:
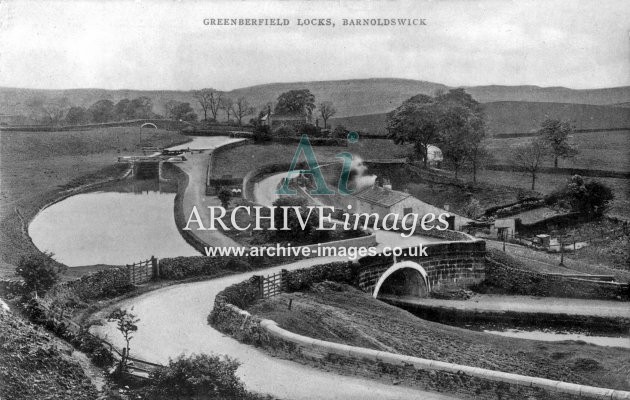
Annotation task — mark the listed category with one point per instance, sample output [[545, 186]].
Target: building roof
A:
[[380, 196]]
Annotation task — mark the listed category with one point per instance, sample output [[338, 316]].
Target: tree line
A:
[[455, 122]]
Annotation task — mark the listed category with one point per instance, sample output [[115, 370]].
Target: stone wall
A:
[[106, 283], [461, 380], [505, 274]]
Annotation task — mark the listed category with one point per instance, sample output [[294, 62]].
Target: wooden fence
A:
[[135, 366], [272, 285], [143, 271]]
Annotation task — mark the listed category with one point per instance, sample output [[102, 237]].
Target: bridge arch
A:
[[148, 125], [398, 267]]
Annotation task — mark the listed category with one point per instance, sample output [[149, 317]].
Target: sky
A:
[[165, 45]]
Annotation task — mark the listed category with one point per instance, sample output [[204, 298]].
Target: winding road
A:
[[173, 321]]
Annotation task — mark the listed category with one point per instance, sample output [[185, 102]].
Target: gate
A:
[[143, 271], [272, 285]]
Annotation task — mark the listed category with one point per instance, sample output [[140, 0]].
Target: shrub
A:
[[295, 232], [285, 131], [39, 271], [589, 198], [261, 133], [198, 375], [472, 209], [308, 129], [224, 197], [340, 132], [238, 265]]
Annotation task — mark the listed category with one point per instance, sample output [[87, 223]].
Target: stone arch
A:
[[148, 125], [397, 267]]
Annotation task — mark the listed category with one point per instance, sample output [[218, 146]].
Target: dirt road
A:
[[173, 321]]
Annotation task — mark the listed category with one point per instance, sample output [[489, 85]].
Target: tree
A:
[[126, 322], [296, 102], [556, 134], [416, 122], [589, 198], [39, 271], [455, 131], [529, 157], [478, 157], [141, 108], [77, 116], [209, 100], [241, 108], [226, 105], [181, 111], [461, 129], [51, 111], [326, 110], [102, 111], [121, 110], [224, 196]]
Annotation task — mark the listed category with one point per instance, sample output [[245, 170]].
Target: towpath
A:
[[531, 304]]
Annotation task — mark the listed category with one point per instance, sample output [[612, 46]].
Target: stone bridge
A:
[[447, 264]]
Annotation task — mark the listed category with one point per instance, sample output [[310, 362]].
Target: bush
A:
[[308, 129], [340, 132], [238, 265], [39, 271], [589, 198], [472, 209], [285, 131], [261, 133], [198, 375]]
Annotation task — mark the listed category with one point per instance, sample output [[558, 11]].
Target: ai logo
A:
[[314, 169]]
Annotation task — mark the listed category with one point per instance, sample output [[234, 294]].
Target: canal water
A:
[[555, 336], [124, 222]]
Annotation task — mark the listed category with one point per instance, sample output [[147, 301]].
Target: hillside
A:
[[518, 117], [351, 97]]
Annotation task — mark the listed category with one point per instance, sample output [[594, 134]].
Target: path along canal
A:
[[121, 223]]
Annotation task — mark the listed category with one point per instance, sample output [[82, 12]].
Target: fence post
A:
[[561, 253], [259, 280], [156, 267], [284, 284]]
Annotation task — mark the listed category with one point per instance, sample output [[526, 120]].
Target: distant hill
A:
[[518, 117], [351, 97]]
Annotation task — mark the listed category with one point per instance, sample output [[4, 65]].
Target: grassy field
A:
[[597, 150], [514, 117], [546, 183], [343, 314], [240, 160], [35, 168]]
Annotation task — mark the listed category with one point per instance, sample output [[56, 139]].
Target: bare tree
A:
[[241, 108], [327, 110], [51, 111], [226, 105], [529, 157], [209, 100]]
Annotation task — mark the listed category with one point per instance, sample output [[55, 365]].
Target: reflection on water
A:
[[551, 336], [125, 222]]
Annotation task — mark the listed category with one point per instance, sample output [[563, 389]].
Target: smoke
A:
[[361, 180]]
